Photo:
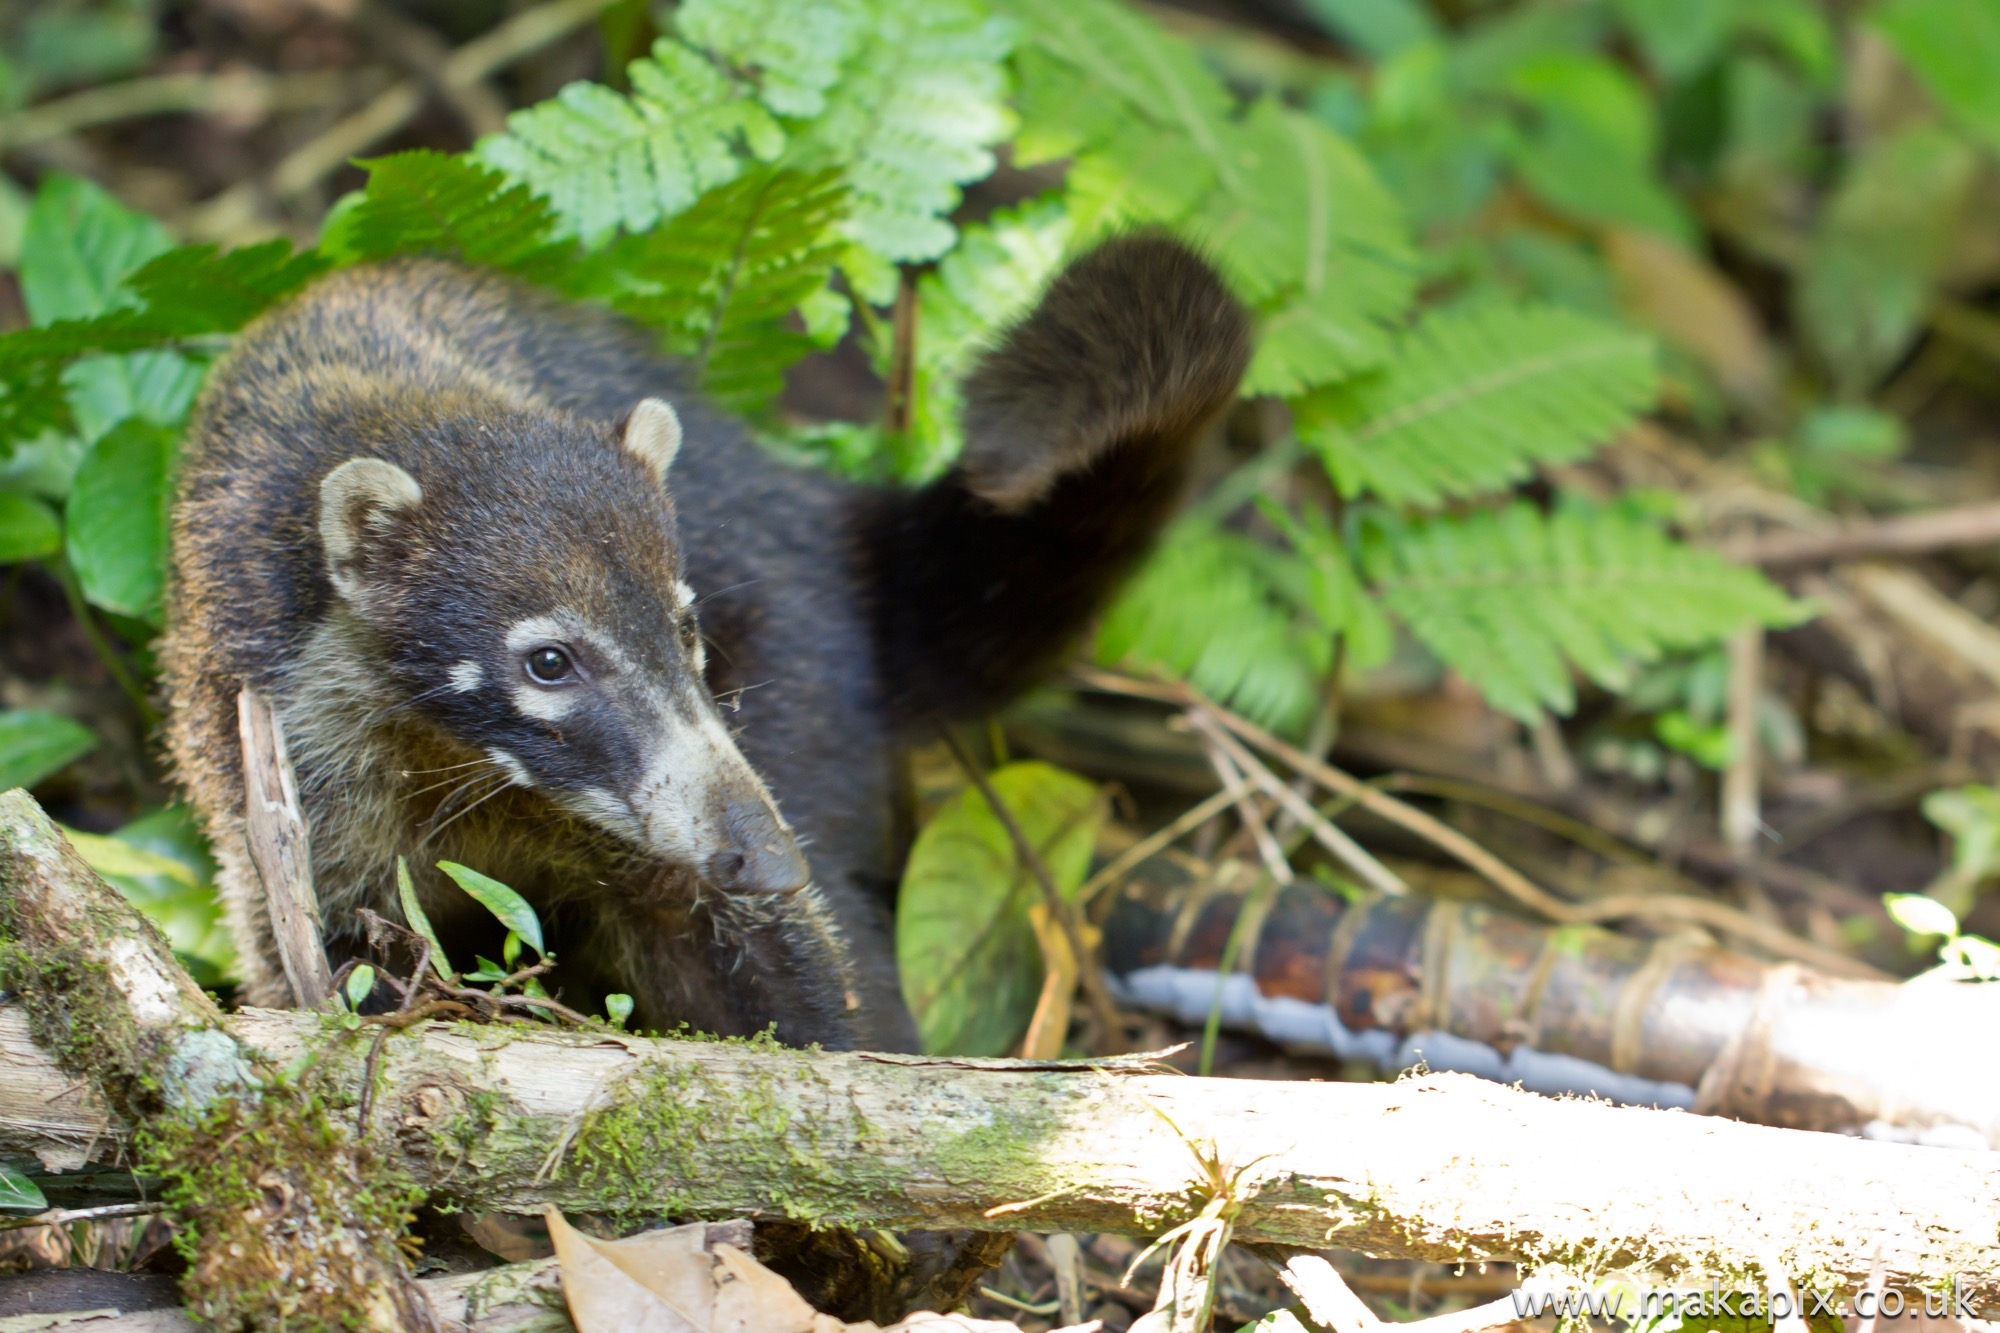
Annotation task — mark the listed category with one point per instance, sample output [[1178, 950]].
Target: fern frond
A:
[[1511, 599], [607, 161], [794, 48], [425, 202], [914, 115], [1290, 211], [1205, 608], [1475, 397], [721, 280]]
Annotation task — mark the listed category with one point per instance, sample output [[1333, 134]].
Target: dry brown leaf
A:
[[750, 1298], [654, 1282], [1689, 302]]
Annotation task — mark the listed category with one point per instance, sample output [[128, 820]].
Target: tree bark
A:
[[286, 1212]]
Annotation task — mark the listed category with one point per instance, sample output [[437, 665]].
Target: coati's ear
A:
[[653, 434], [358, 502]]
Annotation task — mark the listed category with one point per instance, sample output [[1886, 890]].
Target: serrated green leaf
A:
[[29, 529], [608, 161], [722, 281], [1475, 397], [424, 202], [1206, 608], [795, 48], [1954, 46], [509, 908], [1510, 599], [965, 949], [914, 116], [118, 519], [35, 743], [18, 1194]]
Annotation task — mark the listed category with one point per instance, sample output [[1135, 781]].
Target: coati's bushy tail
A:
[[1078, 429]]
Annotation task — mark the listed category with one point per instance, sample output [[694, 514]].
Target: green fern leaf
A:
[[1511, 599], [424, 202], [1474, 398], [1205, 608], [913, 117], [608, 161], [795, 48], [722, 280], [1288, 209]]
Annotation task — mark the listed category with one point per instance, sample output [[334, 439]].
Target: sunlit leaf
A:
[[507, 906], [970, 965], [35, 743]]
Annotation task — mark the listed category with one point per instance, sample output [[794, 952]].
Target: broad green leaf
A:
[[166, 870], [1475, 397], [1377, 28], [970, 966], [1512, 599], [1954, 46], [507, 906], [18, 1194], [416, 919], [360, 985], [79, 247], [1587, 145], [1879, 246], [35, 744], [118, 519], [1920, 915], [29, 529], [110, 856]]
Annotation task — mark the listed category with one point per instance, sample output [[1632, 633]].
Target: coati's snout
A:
[[546, 629]]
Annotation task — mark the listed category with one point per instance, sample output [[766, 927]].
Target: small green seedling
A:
[[618, 1008], [413, 913], [1960, 957]]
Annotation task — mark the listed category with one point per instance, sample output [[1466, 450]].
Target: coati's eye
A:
[[550, 665]]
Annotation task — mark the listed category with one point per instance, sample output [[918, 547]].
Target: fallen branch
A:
[[1915, 534]]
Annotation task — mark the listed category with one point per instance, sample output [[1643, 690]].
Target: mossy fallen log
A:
[[1443, 1168]]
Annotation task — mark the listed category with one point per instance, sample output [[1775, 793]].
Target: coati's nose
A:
[[760, 854]]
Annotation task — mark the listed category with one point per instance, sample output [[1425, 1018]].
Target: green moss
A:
[[286, 1220]]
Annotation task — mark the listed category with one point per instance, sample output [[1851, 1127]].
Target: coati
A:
[[495, 562]]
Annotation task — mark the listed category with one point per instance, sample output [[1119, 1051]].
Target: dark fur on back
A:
[[837, 617]]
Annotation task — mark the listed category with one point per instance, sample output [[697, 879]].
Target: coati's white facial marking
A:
[[683, 596], [466, 676], [684, 611], [653, 434], [671, 803], [549, 668], [516, 770], [358, 502]]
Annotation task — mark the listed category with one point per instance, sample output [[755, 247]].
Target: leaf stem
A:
[[114, 662]]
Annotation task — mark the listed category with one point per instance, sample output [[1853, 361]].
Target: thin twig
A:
[[1153, 843], [62, 1217], [239, 93], [1647, 907], [1914, 534], [424, 53], [1741, 806], [1246, 809], [1060, 908], [1350, 853]]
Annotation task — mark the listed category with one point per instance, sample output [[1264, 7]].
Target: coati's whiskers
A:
[[487, 784], [446, 782], [419, 772], [481, 799], [706, 598]]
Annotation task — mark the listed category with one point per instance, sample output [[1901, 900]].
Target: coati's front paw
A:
[[1136, 342]]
